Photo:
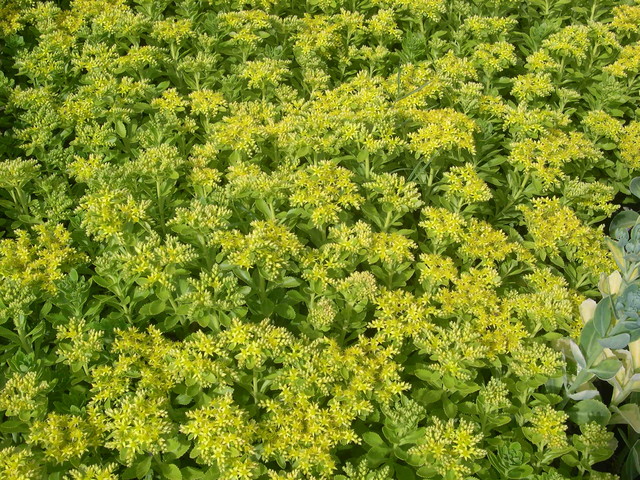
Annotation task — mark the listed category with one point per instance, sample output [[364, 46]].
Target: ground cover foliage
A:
[[282, 239]]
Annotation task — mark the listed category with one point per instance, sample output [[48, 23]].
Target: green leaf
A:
[[629, 414], [521, 471], [615, 342], [13, 426], [625, 219], [290, 282], [602, 316], [178, 446], [427, 471], [285, 311], [589, 342], [390, 435], [171, 472], [606, 369], [634, 187], [143, 466], [373, 439], [378, 454], [153, 308], [403, 473], [426, 375], [590, 410], [121, 130], [9, 335]]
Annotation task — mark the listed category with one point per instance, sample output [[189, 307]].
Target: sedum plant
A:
[[609, 346], [330, 239]]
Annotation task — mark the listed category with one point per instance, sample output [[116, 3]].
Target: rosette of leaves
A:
[[609, 346]]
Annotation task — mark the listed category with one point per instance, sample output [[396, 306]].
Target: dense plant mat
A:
[[284, 239]]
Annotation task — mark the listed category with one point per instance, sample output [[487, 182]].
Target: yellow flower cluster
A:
[[224, 436], [40, 262], [495, 395], [443, 225], [252, 345], [107, 212], [138, 424], [572, 41], [593, 197], [396, 194], [551, 306], [401, 315], [524, 121], [214, 291], [473, 293], [555, 227], [450, 448], [357, 288], [441, 130], [260, 73], [18, 463], [483, 242], [84, 343], [500, 331], [383, 25], [431, 9], [93, 472], [326, 189], [322, 314], [248, 180], [63, 437], [21, 395], [14, 174], [534, 358], [454, 70], [437, 269], [594, 436], [602, 124], [494, 57], [546, 157], [485, 27], [548, 427], [627, 62], [304, 431], [465, 184], [155, 261], [630, 145], [269, 246], [146, 354], [206, 102], [391, 249], [532, 85], [626, 19], [200, 220], [455, 349], [172, 29], [170, 101]]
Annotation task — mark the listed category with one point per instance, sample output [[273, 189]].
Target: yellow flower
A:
[[465, 183], [630, 145], [546, 157], [450, 448], [21, 395], [442, 224], [224, 436], [40, 262], [548, 427], [442, 130], [626, 19], [535, 358], [326, 189], [63, 437]]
